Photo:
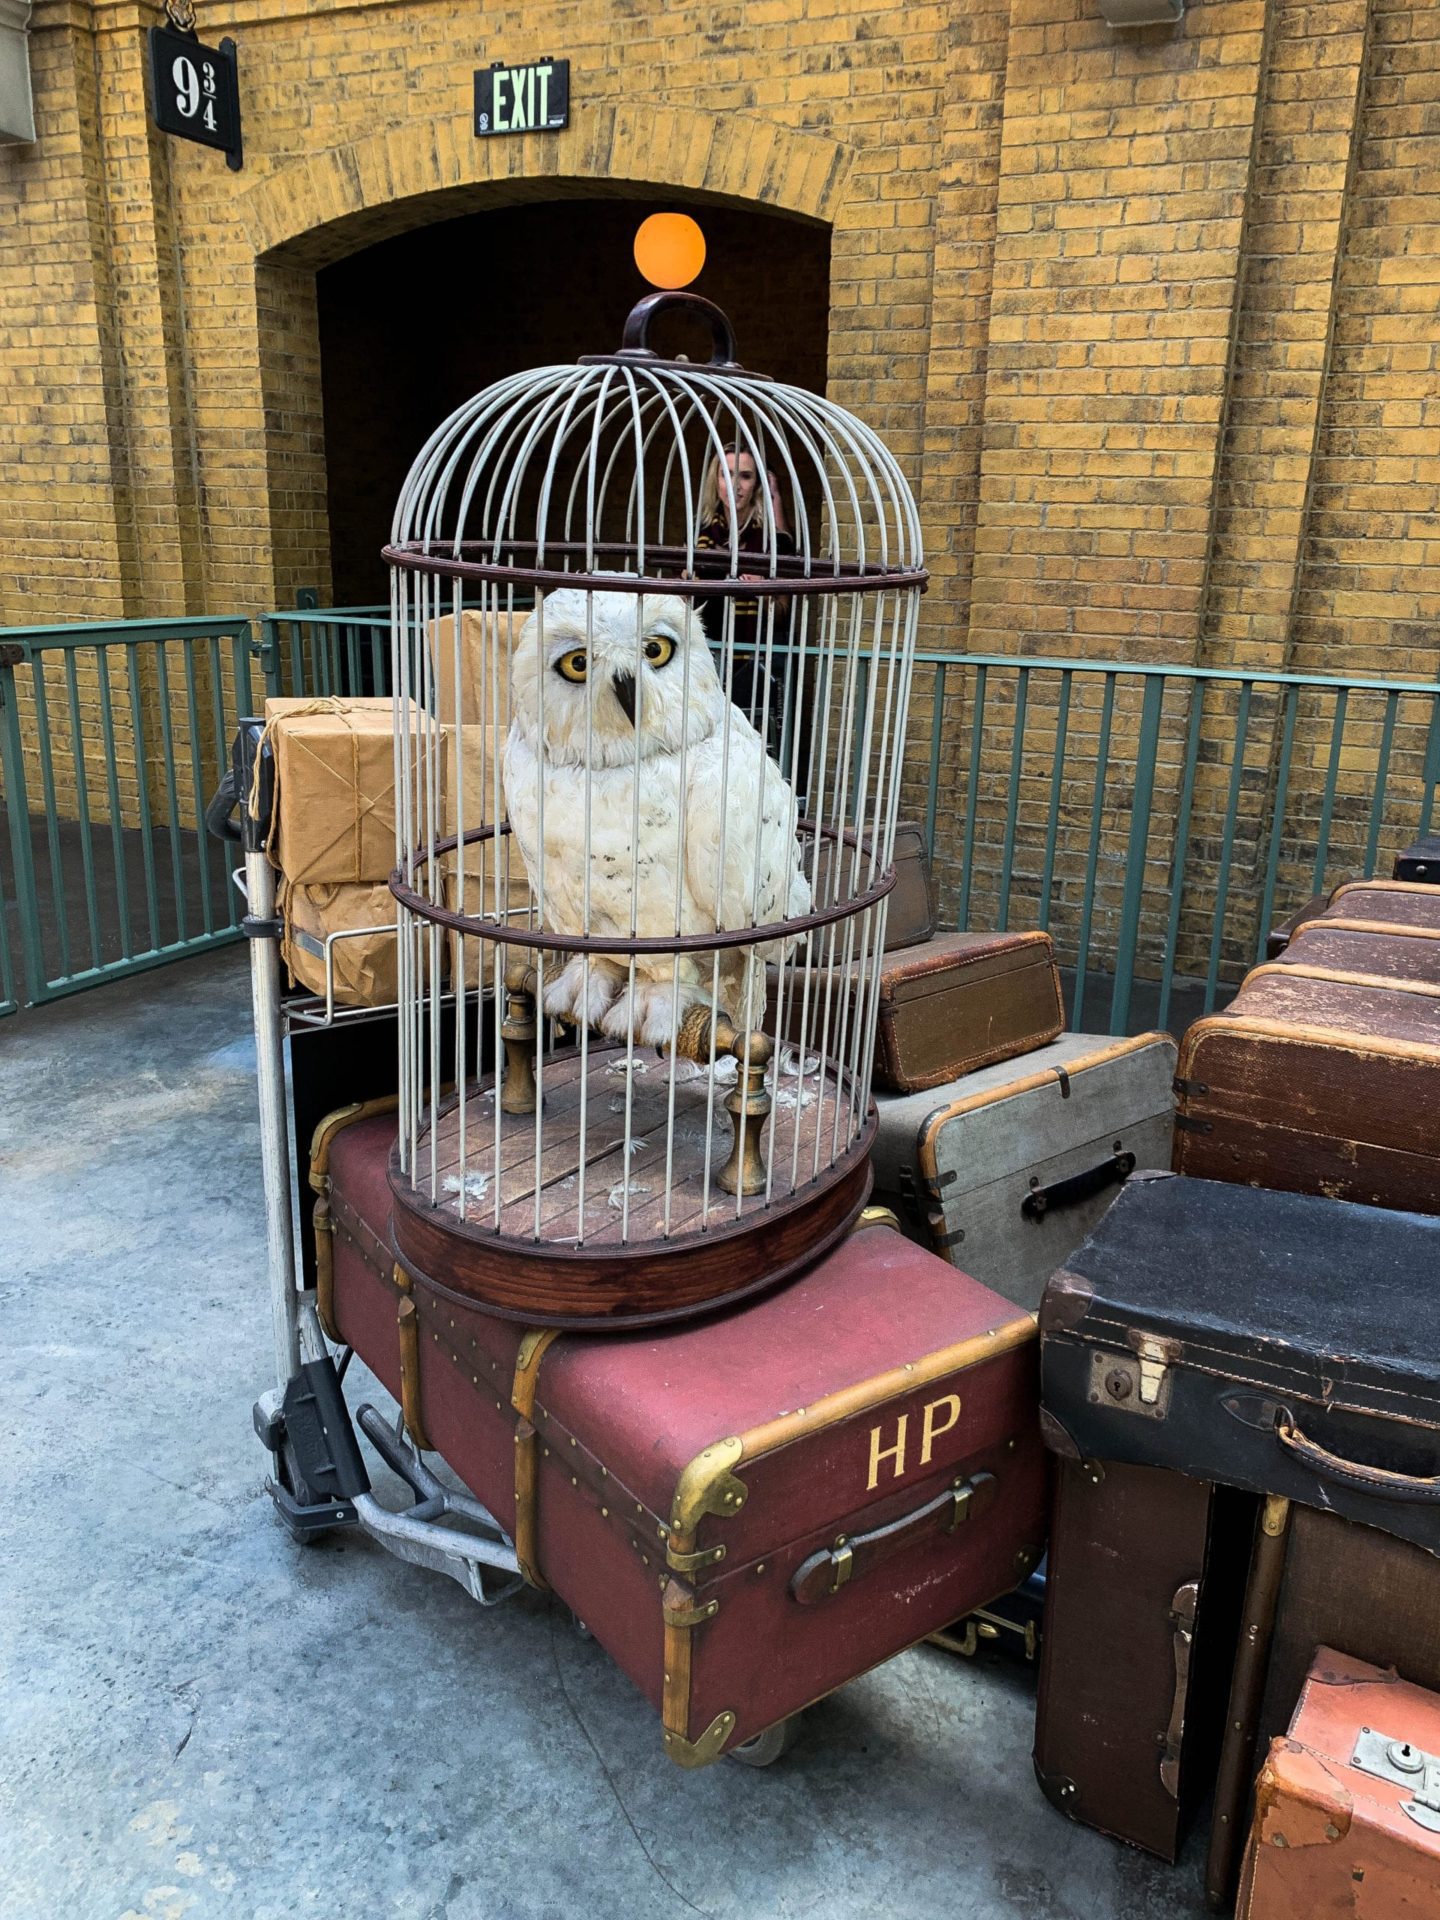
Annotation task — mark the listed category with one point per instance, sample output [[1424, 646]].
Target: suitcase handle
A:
[[1381, 1481], [831, 1568], [1079, 1186]]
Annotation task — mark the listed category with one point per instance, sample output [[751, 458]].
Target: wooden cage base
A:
[[563, 1238]]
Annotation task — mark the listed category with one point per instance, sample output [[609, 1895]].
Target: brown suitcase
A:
[[1323, 1074], [1284, 931], [1386, 906], [910, 916], [959, 1002], [1144, 1582], [1347, 1816], [1317, 1580]]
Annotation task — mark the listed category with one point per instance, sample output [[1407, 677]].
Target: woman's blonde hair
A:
[[710, 504]]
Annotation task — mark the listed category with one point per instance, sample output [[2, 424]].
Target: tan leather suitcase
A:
[[1347, 1807], [1323, 1074], [1317, 1580], [910, 916], [956, 1003]]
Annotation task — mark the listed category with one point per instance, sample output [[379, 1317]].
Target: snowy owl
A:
[[618, 694]]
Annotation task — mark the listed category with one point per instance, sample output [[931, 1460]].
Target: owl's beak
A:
[[624, 685]]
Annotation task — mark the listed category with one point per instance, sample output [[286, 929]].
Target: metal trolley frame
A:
[[319, 1480]]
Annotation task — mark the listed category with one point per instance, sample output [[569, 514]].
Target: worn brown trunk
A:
[[1323, 1075], [1143, 1588]]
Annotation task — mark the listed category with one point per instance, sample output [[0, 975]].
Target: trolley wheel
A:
[[766, 1748]]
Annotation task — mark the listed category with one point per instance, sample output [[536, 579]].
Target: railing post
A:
[[1142, 794], [267, 651], [17, 801], [1430, 773]]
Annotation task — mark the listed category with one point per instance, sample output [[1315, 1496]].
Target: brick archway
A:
[[319, 208]]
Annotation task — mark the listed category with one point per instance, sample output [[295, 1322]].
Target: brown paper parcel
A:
[[365, 964], [335, 790], [485, 643], [471, 771]]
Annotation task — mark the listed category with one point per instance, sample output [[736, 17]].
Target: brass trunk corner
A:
[[710, 1745], [707, 1485], [334, 1123]]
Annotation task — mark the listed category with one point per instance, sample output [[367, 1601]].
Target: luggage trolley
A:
[[319, 1481], [625, 1109]]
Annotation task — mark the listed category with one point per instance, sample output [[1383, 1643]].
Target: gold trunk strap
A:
[[325, 1268], [523, 1389], [408, 1330], [320, 1140]]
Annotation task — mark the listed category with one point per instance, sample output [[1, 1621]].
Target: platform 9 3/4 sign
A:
[[195, 91]]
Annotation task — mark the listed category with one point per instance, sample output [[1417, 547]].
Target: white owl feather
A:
[[622, 740]]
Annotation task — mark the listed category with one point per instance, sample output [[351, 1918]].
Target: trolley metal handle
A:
[[637, 327], [219, 820]]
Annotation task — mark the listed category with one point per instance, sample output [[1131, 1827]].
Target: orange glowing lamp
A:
[[669, 249]]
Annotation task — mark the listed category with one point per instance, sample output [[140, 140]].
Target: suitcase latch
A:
[[1139, 1384], [1404, 1765], [1153, 1361]]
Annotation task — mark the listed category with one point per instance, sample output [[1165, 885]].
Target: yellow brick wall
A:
[[1150, 317], [1136, 309]]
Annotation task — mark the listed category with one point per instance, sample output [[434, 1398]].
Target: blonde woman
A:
[[732, 509]]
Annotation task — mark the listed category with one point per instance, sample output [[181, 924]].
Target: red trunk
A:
[[749, 1511]]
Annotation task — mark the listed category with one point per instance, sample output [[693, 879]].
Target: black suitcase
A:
[[1278, 1342], [1420, 862]]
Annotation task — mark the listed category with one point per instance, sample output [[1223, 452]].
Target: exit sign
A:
[[529, 99]]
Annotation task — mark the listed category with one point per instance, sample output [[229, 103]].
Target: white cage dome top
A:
[[598, 468], [654, 622]]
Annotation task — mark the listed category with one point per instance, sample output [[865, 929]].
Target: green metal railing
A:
[[1157, 821], [112, 738], [1154, 820], [339, 650]]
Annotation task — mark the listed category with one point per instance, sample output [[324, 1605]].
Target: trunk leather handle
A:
[[1079, 1186], [853, 1555], [1257, 1410], [1381, 1481]]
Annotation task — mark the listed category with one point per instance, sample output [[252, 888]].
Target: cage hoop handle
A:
[[722, 334]]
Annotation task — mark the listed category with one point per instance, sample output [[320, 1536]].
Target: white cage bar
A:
[[649, 748]]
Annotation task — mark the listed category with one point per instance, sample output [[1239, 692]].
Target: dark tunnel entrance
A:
[[413, 326]]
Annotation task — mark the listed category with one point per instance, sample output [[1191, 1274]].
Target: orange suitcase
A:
[[1347, 1808]]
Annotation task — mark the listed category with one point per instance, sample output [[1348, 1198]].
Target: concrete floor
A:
[[198, 1718]]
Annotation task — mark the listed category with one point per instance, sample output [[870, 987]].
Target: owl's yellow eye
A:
[[572, 666], [659, 649]]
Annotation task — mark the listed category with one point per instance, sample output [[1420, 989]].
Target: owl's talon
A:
[[579, 1001]]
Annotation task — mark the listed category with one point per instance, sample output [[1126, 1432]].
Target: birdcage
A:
[[653, 623]]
